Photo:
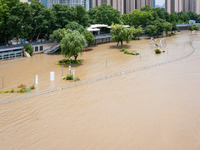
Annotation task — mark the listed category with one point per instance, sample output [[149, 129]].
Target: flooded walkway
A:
[[156, 108]]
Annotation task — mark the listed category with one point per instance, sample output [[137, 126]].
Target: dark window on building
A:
[[41, 48], [36, 48]]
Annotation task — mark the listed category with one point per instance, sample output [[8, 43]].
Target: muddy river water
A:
[[154, 109]]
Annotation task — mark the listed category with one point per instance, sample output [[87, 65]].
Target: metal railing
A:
[[10, 55]]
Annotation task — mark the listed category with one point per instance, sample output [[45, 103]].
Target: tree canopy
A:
[[72, 44], [120, 34], [105, 14], [75, 26], [89, 37]]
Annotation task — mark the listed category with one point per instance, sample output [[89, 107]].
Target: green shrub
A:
[[123, 49], [12, 91], [127, 52], [26, 90], [7, 91], [135, 38], [18, 91], [69, 77], [29, 49], [67, 61], [179, 30], [1, 92], [157, 51], [32, 87], [137, 53], [22, 87]]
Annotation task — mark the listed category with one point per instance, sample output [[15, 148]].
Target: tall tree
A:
[[105, 14], [19, 22], [75, 26], [43, 20], [81, 16], [58, 35], [120, 34], [151, 30], [72, 44], [89, 37], [4, 14]]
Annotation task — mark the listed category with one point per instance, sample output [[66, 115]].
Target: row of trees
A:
[[34, 21]]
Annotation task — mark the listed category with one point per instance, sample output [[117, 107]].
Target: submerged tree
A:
[[72, 44], [120, 34]]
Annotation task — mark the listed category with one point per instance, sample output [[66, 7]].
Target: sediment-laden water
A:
[[152, 109]]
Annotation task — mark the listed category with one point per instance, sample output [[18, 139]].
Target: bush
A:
[[157, 51], [67, 61], [69, 77], [18, 91], [1, 92], [12, 91], [32, 87], [7, 91], [29, 49], [123, 49], [135, 38], [179, 30], [127, 52], [26, 90], [22, 87]]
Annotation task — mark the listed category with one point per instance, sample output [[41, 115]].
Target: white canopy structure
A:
[[126, 26], [98, 26], [92, 29]]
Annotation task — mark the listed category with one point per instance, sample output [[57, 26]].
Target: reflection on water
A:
[[152, 109]]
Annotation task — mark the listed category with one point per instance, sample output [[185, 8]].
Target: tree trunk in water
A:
[[117, 43], [76, 56]]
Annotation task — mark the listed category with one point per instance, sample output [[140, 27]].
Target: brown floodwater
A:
[[154, 109]]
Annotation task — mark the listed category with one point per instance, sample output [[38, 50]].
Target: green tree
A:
[[195, 28], [120, 34], [4, 14], [167, 27], [89, 37], [63, 15], [75, 26], [174, 27], [72, 44], [192, 15], [19, 22], [58, 35], [43, 20], [10, 3], [137, 32], [28, 48], [81, 16], [105, 14], [151, 30], [92, 15]]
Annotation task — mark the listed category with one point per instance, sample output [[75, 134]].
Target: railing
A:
[[10, 55], [17, 45]]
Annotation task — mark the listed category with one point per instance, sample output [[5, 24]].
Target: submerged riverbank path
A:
[[103, 77]]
